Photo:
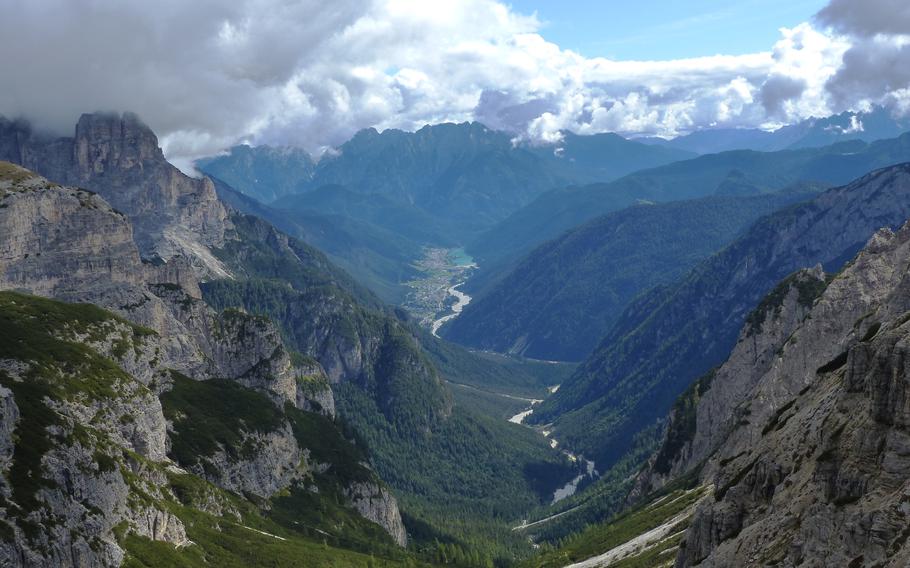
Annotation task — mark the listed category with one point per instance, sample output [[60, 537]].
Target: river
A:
[[571, 487], [461, 300]]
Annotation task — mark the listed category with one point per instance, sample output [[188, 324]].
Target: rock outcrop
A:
[[331, 319], [9, 417], [86, 438], [63, 240], [269, 463], [83, 252], [117, 156], [376, 503], [804, 430], [702, 419]]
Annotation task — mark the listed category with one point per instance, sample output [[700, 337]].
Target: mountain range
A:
[[740, 172], [380, 196], [206, 371], [790, 452], [672, 335], [566, 294], [875, 124], [111, 445]]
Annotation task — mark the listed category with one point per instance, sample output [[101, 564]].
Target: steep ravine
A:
[[671, 336]]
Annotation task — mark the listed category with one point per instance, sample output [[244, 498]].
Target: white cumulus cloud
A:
[[210, 73]]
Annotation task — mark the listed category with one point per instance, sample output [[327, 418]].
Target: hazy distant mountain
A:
[[740, 172], [602, 157], [263, 172], [376, 257], [383, 196], [869, 126], [567, 293], [462, 171], [400, 218]]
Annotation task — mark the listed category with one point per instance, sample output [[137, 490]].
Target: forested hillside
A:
[[566, 294]]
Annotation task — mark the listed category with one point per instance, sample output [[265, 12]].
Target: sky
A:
[[208, 74], [662, 29]]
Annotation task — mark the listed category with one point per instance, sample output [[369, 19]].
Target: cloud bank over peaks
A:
[[876, 67], [209, 74]]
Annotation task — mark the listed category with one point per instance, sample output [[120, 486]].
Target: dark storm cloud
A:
[[208, 73], [779, 89], [876, 68], [873, 70], [866, 18], [203, 66]]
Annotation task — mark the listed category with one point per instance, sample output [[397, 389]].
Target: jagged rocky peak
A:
[[803, 432], [66, 243], [118, 157], [107, 141]]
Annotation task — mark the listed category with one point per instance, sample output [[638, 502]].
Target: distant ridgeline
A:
[[375, 201], [379, 199], [732, 173]]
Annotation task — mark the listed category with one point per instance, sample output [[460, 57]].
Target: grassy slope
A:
[[656, 510]]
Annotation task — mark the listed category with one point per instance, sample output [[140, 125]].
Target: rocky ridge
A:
[[40, 223], [803, 430], [85, 439], [118, 157]]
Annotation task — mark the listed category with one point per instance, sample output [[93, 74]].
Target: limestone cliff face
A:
[[9, 417], [702, 418], [804, 430], [117, 156], [79, 440], [60, 240], [376, 503], [67, 243], [271, 463], [86, 255], [245, 348]]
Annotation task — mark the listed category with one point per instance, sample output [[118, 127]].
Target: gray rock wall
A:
[[816, 473]]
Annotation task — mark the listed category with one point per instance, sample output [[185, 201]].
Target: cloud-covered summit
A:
[[208, 74]]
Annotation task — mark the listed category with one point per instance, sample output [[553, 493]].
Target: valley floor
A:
[[431, 298]]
